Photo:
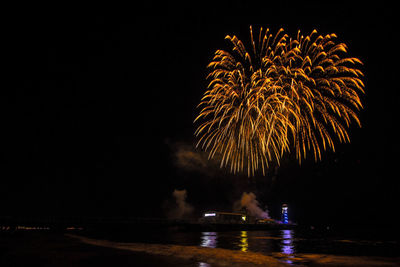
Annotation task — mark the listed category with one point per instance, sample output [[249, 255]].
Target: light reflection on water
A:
[[287, 245], [262, 241], [257, 241], [209, 239], [287, 242]]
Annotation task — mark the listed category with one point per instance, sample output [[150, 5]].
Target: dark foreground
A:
[[56, 249], [45, 248]]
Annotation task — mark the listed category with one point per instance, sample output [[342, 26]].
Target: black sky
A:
[[96, 103]]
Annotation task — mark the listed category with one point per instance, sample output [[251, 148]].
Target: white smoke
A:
[[187, 157], [251, 204], [180, 208]]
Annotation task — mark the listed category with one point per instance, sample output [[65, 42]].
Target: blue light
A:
[[285, 218]]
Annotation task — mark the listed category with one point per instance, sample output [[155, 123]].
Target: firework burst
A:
[[283, 93]]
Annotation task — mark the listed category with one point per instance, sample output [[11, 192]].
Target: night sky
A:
[[97, 110]]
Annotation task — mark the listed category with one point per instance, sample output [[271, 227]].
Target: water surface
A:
[[288, 242]]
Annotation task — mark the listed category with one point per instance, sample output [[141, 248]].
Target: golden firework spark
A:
[[283, 92]]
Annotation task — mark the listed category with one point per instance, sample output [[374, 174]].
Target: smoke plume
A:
[[186, 157], [250, 203], [180, 208]]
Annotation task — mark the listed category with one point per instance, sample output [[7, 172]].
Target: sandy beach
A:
[[26, 248], [55, 249]]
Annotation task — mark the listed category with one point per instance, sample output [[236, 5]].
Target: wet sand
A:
[[56, 249], [215, 256], [29, 248], [226, 257]]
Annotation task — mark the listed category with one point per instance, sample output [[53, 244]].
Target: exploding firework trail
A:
[[285, 92]]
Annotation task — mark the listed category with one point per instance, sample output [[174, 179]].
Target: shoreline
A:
[[45, 248], [48, 249], [226, 257], [218, 256]]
